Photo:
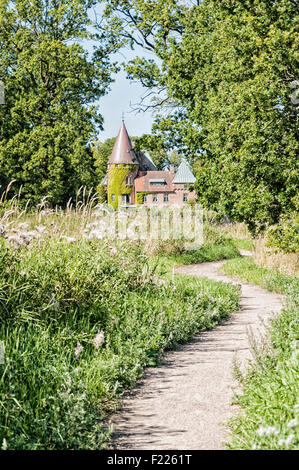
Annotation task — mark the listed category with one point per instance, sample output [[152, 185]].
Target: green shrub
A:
[[269, 397], [56, 386], [285, 236]]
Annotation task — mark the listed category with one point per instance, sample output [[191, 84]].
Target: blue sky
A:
[[124, 93]]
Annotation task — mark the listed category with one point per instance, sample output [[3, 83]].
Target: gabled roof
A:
[[123, 151], [145, 163], [184, 174], [143, 183]]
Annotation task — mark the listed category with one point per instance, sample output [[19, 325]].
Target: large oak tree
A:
[[51, 81], [226, 69]]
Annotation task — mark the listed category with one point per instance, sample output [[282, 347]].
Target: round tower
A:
[[123, 167]]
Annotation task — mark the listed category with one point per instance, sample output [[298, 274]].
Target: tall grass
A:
[[271, 279], [269, 396], [80, 318], [271, 257]]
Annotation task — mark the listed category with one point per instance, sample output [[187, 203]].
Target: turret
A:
[[122, 169]]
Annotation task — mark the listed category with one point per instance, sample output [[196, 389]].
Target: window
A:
[[131, 180], [112, 197], [157, 182], [126, 198], [144, 198], [155, 197], [165, 198], [127, 180], [185, 198]]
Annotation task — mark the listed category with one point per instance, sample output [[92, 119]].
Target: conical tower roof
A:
[[123, 151], [184, 174]]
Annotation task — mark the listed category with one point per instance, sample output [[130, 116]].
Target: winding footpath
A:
[[184, 403]]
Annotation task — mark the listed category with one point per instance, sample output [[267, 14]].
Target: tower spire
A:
[[123, 151]]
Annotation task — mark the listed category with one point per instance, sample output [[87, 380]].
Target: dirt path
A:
[[183, 403]]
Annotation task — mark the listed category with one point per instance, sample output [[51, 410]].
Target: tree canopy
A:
[[51, 81], [226, 70]]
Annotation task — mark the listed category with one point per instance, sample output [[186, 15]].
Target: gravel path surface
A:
[[184, 403]]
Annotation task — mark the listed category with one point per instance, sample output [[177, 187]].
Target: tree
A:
[[101, 154], [228, 65], [50, 82], [154, 147]]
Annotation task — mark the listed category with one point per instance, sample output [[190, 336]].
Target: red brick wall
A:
[[174, 199]]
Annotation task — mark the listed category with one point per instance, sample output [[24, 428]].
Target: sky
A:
[[120, 99], [122, 95]]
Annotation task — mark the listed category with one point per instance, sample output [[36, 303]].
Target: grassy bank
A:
[[269, 399], [80, 319], [270, 279]]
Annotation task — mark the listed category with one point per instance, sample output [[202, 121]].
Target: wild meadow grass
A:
[[269, 398], [81, 316], [271, 279]]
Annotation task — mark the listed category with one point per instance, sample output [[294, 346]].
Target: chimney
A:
[[171, 168]]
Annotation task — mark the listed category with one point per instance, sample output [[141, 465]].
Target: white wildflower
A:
[[46, 212], [15, 241], [23, 226], [293, 423], [40, 228], [79, 349], [286, 442], [99, 339], [54, 304], [68, 239], [96, 234], [4, 444], [29, 235], [267, 431]]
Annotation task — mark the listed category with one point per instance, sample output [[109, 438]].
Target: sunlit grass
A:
[[269, 399], [81, 315]]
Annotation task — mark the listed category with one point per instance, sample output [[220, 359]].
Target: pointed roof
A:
[[123, 151], [145, 164], [184, 174]]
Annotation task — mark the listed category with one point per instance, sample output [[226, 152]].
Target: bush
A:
[[285, 236], [269, 399], [59, 381]]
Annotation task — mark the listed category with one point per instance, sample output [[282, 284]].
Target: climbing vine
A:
[[139, 198], [116, 182]]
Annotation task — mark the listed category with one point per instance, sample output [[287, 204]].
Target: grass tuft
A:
[[269, 396]]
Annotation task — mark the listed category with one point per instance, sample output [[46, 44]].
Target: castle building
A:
[[133, 180]]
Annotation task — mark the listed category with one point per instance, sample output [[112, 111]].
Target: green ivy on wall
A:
[[139, 198], [116, 182]]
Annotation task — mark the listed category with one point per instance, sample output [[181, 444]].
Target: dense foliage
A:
[[80, 320], [50, 82], [226, 70], [101, 154], [285, 235], [269, 398]]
